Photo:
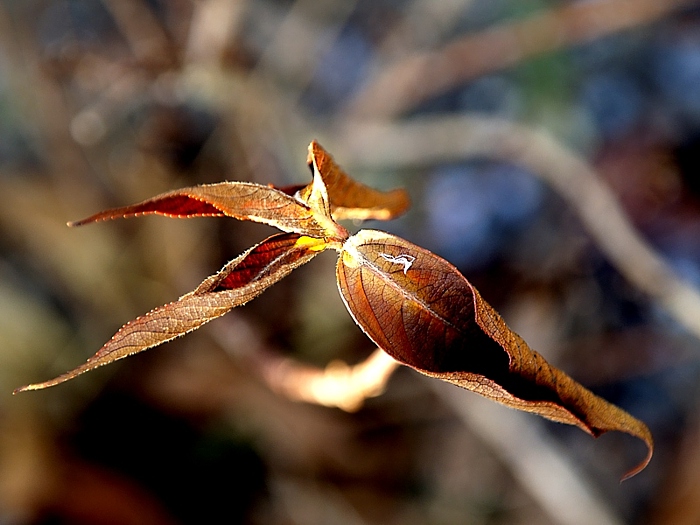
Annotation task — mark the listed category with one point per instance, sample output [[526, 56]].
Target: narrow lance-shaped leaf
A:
[[238, 282], [425, 314], [240, 200], [348, 198]]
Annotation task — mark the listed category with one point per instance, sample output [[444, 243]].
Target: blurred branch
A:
[[214, 24], [535, 460], [142, 31], [455, 138], [338, 385], [423, 24], [294, 53], [399, 87], [314, 503]]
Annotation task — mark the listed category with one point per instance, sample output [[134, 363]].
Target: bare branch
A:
[[141, 29], [397, 88]]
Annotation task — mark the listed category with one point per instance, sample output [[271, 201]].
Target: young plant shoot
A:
[[414, 305]]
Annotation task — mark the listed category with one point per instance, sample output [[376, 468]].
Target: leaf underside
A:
[[292, 209], [348, 198], [240, 200], [241, 280], [425, 314], [351, 199]]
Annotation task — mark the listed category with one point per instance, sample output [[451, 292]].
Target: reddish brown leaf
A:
[[413, 304], [425, 314], [238, 282], [349, 199], [240, 200]]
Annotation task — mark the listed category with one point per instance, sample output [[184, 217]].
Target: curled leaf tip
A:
[[349, 199], [645, 435]]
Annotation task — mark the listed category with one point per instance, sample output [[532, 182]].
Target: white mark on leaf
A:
[[403, 259]]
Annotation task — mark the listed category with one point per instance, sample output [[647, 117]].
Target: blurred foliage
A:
[[106, 103]]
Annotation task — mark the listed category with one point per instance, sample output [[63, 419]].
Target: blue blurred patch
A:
[[675, 70], [72, 22], [495, 95], [339, 71], [474, 211], [614, 101]]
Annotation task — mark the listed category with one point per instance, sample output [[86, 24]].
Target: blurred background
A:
[[105, 103]]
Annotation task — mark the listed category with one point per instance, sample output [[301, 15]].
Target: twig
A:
[[454, 138], [397, 88]]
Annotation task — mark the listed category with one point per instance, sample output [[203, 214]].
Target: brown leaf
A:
[[238, 282], [240, 200], [413, 304], [349, 199], [424, 313]]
